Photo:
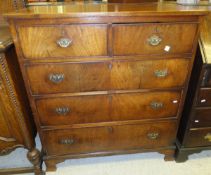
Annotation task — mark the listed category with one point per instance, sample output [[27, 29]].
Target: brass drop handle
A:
[[154, 40], [62, 110], [56, 78], [161, 73], [153, 135], [208, 137], [156, 105], [64, 42], [67, 141]]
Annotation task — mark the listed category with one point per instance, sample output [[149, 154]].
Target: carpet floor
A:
[[132, 164]]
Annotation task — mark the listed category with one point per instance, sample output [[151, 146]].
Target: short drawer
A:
[[110, 138], [199, 137], [101, 76], [108, 108], [202, 118], [204, 97], [63, 41], [153, 38]]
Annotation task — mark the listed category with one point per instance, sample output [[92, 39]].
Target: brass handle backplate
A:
[[153, 135], [156, 105], [67, 141], [62, 110], [208, 137], [64, 42], [154, 40], [161, 73], [56, 78]]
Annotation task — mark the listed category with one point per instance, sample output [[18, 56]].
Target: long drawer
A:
[[63, 41], [102, 76], [107, 108], [151, 38], [110, 138], [199, 137]]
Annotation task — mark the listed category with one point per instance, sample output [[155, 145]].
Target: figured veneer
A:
[[107, 108], [106, 79], [138, 38], [110, 138], [107, 75], [43, 41]]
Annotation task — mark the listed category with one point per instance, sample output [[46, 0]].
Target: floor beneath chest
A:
[[133, 164]]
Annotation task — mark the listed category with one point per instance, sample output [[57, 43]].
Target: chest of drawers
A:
[[106, 78], [195, 129]]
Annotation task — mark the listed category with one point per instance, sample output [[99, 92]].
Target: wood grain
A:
[[101, 139], [107, 108], [103, 9], [107, 75], [135, 40], [87, 40]]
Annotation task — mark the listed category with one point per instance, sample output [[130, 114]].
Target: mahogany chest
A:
[[195, 127], [106, 79]]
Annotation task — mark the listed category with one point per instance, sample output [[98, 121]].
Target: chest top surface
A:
[[79, 9]]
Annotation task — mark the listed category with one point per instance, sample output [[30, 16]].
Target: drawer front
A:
[[110, 138], [101, 76], [107, 108], [204, 97], [199, 137], [63, 41], [206, 80], [141, 39], [69, 77], [149, 74], [202, 118]]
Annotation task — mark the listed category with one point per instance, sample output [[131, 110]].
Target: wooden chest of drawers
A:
[[195, 130], [106, 78]]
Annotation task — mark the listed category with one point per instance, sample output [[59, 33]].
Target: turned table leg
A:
[[34, 157]]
